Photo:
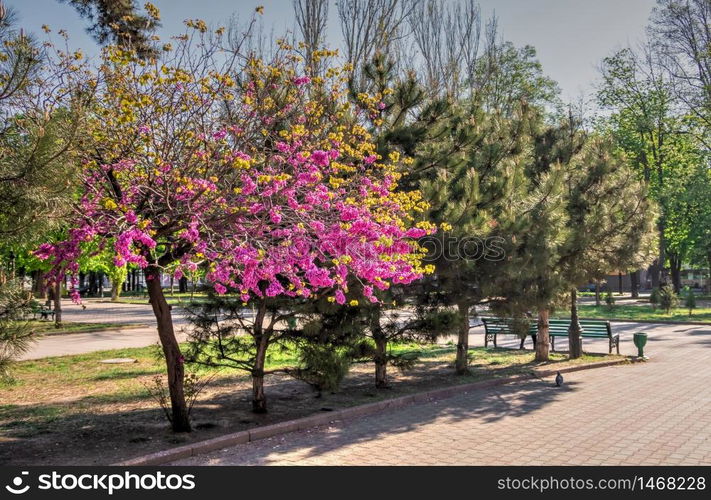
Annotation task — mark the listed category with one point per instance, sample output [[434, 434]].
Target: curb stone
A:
[[300, 424]]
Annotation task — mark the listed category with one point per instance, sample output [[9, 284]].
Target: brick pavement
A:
[[656, 413]]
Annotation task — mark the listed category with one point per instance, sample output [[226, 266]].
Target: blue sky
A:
[[571, 36]]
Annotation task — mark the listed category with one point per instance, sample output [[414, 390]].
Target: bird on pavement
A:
[[558, 380]]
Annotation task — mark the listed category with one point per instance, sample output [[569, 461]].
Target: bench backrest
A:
[[592, 328], [504, 326]]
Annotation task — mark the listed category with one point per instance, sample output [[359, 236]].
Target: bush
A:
[[654, 298], [322, 366], [609, 299], [689, 299], [193, 385], [668, 300]]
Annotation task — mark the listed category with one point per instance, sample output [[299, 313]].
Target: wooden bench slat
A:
[[557, 328]]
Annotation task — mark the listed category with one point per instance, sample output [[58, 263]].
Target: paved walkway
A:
[[656, 413], [102, 312]]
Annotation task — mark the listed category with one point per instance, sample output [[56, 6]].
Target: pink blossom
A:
[[320, 158]]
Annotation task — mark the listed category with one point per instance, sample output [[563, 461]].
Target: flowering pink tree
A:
[[257, 174]]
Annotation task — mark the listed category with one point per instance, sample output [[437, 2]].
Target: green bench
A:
[[43, 312], [557, 328], [504, 326], [590, 329]]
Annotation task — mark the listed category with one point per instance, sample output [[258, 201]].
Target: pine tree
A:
[[610, 217], [119, 22]]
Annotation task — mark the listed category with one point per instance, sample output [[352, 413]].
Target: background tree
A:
[[370, 27], [120, 22], [646, 128], [681, 38], [311, 20]]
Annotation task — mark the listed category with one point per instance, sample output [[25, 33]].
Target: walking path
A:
[[654, 413], [103, 312]]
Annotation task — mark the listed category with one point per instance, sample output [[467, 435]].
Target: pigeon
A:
[[558, 380]]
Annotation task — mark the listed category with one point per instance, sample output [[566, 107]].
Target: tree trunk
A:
[[461, 365], [381, 349], [57, 296], [261, 341], [259, 398], [675, 262], [655, 273], [39, 288], [619, 282], [101, 284], [575, 343], [173, 357], [115, 291], [634, 284], [543, 339], [597, 294]]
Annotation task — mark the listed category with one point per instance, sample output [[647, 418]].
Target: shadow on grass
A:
[[102, 429]]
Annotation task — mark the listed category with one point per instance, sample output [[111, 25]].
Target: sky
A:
[[571, 36]]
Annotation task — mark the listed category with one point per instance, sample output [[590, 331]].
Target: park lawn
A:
[[78, 409], [176, 299], [48, 327], [642, 312]]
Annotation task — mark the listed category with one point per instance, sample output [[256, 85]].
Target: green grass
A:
[[642, 312], [85, 369], [48, 327], [175, 299]]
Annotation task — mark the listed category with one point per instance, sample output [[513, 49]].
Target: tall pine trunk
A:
[[461, 365], [543, 337], [171, 348], [381, 349], [575, 342]]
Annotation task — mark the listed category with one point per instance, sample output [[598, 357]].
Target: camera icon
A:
[[16, 488]]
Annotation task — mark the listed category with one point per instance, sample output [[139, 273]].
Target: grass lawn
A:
[[48, 328], [642, 312], [174, 299], [74, 409]]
